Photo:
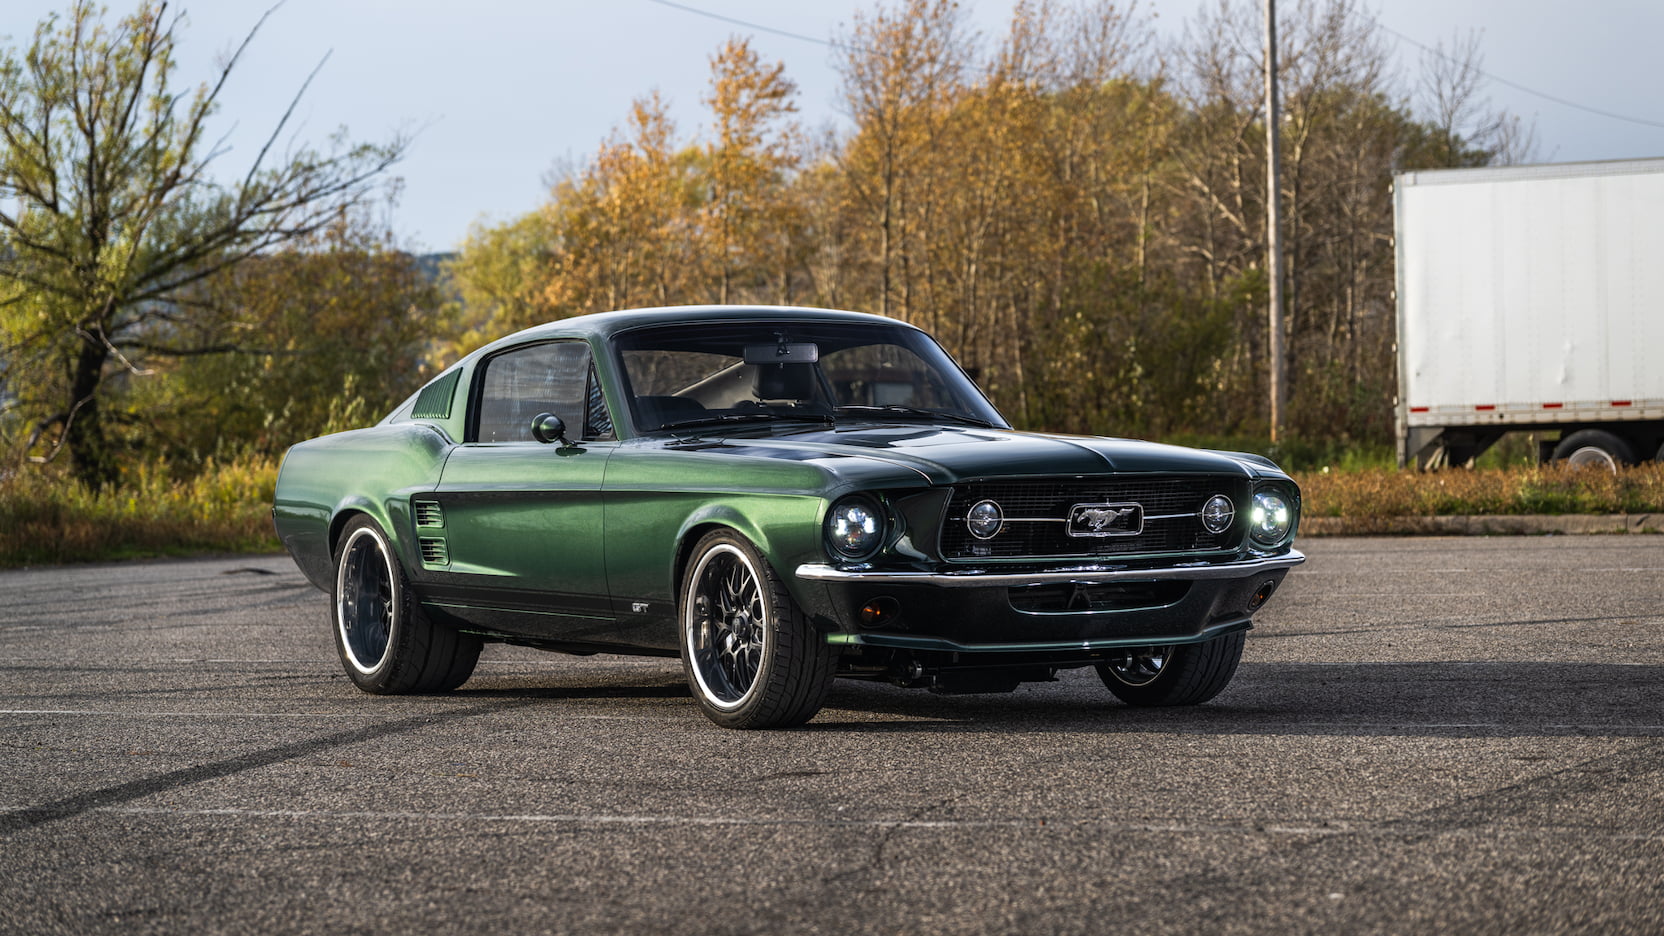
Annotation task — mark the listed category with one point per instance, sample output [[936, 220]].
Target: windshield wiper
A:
[[895, 410], [717, 419]]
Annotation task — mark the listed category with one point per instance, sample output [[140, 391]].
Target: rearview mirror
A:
[[805, 352]]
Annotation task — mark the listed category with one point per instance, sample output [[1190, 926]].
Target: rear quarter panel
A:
[[372, 471]]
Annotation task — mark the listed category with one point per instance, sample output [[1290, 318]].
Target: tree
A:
[[116, 216], [343, 320], [501, 278], [899, 67], [748, 163]]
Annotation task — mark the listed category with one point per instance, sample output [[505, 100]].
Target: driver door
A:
[[524, 516]]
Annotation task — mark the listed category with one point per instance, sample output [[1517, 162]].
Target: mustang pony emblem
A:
[[1106, 520]]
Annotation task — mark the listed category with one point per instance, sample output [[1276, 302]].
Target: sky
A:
[[499, 93]]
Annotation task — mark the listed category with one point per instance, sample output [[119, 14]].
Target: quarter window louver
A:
[[434, 402]]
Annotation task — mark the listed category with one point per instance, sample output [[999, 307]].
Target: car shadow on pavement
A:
[[634, 686], [1435, 699]]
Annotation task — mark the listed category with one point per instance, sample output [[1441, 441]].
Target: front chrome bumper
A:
[[1083, 575]]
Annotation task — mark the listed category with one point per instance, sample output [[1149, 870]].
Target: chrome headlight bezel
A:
[[1273, 515], [1218, 514], [981, 515], [855, 528]]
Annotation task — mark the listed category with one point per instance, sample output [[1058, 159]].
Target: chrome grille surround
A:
[[1038, 512]]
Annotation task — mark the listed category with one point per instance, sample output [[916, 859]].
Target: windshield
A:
[[691, 375]]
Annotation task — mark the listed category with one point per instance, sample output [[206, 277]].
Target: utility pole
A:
[[1273, 225]]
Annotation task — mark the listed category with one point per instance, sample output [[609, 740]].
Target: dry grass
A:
[[1378, 493], [47, 518]]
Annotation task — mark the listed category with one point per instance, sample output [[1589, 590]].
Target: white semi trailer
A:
[[1531, 298]]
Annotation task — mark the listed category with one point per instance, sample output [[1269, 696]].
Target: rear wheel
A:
[[752, 658], [386, 644], [1173, 674], [1594, 448]]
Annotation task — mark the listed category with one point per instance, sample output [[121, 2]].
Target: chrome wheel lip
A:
[[371, 617], [1592, 456], [1139, 666], [713, 638]]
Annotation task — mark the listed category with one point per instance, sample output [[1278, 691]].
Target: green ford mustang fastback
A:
[[779, 496]]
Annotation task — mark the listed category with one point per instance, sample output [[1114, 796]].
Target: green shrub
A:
[[47, 517]]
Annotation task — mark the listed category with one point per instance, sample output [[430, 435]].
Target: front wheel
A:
[[387, 645], [752, 658], [1174, 674]]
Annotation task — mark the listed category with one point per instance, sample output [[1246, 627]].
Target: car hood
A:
[[948, 455]]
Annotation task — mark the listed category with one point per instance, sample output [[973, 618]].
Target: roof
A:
[[604, 325]]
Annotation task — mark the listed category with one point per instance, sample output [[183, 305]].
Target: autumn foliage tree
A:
[[1075, 208], [110, 218]]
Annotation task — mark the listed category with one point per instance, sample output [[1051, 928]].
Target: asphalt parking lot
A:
[[1460, 735]]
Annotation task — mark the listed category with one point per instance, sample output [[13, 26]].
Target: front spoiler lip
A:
[[910, 642], [1089, 575]]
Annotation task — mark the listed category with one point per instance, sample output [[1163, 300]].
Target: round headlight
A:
[[984, 519], [1217, 514], [1270, 518], [855, 527]]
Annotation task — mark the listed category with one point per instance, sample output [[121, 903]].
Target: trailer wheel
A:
[[1594, 448]]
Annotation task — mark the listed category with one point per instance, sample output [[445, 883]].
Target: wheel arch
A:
[[383, 518], [721, 516], [338, 524]]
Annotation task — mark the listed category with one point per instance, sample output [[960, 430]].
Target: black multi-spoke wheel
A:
[[1138, 666], [752, 658], [1178, 674], [387, 645]]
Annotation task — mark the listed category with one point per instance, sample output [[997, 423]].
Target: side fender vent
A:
[[428, 514], [434, 552]]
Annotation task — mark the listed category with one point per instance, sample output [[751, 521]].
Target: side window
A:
[[520, 384]]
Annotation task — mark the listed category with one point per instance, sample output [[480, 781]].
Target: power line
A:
[[1519, 87], [1564, 102], [748, 25]]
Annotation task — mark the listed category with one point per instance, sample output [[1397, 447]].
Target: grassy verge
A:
[[1379, 492], [47, 518]]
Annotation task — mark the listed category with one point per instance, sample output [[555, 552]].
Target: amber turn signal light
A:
[[879, 612]]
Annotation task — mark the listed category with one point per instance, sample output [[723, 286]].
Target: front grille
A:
[[1037, 512]]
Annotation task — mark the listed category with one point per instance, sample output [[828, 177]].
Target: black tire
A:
[[386, 644], [1594, 448], [1180, 674], [746, 673]]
